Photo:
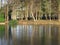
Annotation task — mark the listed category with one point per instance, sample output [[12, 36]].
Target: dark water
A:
[[30, 35]]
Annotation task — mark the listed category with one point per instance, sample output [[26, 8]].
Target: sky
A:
[[3, 2]]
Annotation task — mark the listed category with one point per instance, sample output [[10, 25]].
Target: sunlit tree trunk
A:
[[40, 11], [6, 14], [31, 11], [49, 9], [36, 13], [59, 12], [26, 12]]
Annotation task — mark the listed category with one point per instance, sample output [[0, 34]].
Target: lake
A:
[[30, 34]]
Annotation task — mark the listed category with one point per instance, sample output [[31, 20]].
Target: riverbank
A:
[[2, 23], [31, 22], [40, 22]]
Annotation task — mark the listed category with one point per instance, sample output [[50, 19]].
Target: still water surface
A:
[[30, 35]]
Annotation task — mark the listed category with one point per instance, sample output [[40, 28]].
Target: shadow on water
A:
[[30, 35]]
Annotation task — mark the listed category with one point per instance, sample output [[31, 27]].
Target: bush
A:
[[2, 18], [13, 22]]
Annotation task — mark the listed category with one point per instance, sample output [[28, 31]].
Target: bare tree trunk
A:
[[49, 7], [26, 12], [40, 11], [36, 13], [31, 11], [39, 16], [59, 12], [6, 14]]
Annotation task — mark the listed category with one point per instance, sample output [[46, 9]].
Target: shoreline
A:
[[34, 22]]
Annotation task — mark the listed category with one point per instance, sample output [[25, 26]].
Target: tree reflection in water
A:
[[35, 34], [30, 35]]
